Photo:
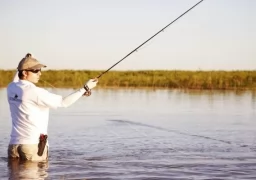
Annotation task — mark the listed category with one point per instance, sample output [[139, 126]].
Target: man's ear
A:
[[25, 73]]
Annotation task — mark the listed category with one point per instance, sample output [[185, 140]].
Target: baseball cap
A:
[[28, 62]]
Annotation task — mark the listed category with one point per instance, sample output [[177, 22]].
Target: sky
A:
[[94, 35]]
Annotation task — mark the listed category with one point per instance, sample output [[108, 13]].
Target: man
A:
[[29, 107]]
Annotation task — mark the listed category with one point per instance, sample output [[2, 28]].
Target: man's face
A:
[[33, 75]]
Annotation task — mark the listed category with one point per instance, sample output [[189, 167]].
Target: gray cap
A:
[[28, 62]]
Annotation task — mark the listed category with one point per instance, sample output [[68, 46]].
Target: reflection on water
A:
[[145, 134], [27, 170]]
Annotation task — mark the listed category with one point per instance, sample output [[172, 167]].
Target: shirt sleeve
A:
[[45, 98]]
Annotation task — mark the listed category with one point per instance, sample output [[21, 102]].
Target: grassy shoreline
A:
[[177, 79]]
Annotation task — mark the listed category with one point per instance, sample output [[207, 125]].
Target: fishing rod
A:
[[150, 38]]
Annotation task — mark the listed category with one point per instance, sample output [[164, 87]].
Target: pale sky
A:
[[86, 34]]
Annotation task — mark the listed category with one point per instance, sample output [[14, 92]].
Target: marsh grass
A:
[[146, 78]]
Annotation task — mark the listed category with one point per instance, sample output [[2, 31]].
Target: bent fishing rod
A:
[[149, 39]]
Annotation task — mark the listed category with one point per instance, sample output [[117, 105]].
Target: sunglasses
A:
[[34, 70]]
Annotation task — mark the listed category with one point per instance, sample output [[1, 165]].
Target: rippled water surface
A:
[[145, 134]]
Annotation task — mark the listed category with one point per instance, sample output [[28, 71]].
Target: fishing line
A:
[[173, 150], [179, 132], [48, 83], [208, 156], [150, 38]]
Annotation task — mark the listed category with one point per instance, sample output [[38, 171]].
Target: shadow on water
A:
[[23, 170]]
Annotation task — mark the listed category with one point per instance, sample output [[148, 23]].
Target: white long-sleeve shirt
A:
[[29, 107]]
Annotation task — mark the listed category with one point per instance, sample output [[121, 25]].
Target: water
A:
[[145, 134]]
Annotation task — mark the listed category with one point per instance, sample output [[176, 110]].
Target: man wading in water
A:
[[29, 107]]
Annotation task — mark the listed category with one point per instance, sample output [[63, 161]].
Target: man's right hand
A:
[[91, 83]]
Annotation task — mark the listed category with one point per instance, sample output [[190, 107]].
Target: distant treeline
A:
[[146, 78]]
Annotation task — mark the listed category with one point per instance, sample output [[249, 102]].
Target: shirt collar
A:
[[26, 82]]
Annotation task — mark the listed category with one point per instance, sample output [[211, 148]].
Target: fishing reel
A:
[[87, 91]]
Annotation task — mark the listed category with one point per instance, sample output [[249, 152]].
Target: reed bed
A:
[[145, 78]]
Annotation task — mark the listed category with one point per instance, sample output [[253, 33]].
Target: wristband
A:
[[87, 91], [86, 88]]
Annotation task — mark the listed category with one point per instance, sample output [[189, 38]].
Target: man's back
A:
[[29, 119]]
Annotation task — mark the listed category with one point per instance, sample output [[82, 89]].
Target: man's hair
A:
[[20, 74]]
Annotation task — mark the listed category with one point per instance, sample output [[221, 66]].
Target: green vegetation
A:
[[147, 78]]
